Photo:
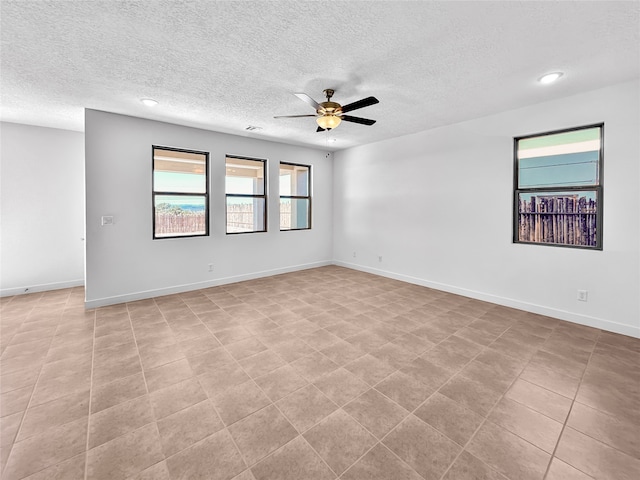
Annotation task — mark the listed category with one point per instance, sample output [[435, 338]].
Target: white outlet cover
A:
[[107, 220]]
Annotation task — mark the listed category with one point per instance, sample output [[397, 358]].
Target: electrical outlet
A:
[[354, 254], [107, 220], [211, 267], [582, 295], [380, 258]]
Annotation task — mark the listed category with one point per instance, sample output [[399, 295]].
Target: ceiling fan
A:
[[329, 114]]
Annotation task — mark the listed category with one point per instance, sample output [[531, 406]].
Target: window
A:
[[295, 201], [246, 195], [558, 188], [180, 193]]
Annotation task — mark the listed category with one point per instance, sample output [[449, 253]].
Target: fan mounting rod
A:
[[328, 93]]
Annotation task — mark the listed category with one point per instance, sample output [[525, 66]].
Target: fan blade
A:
[[363, 121], [306, 98], [293, 116], [365, 102], [319, 129]]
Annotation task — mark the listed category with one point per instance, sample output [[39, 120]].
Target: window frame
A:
[[597, 188], [297, 197], [243, 195], [179, 194]]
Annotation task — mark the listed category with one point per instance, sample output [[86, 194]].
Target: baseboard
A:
[[587, 320], [8, 292], [132, 297]]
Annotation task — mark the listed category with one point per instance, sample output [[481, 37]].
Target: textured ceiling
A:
[[226, 65]]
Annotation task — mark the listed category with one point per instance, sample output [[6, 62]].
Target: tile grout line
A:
[[277, 408], [411, 412], [35, 384], [299, 434], [486, 417], [196, 377], [573, 401], [144, 379], [24, 414], [542, 388], [33, 388], [503, 395], [484, 348], [93, 351], [603, 412], [379, 441], [312, 383], [226, 428], [372, 387], [2, 308], [368, 385]]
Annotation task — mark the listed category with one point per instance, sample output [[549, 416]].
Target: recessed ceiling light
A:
[[550, 77], [149, 102]]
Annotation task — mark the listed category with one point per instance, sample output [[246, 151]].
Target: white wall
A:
[[123, 262], [42, 208], [437, 206]]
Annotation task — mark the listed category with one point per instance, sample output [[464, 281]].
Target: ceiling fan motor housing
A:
[[329, 108]]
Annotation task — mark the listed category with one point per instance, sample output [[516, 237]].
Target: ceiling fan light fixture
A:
[[328, 121]]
